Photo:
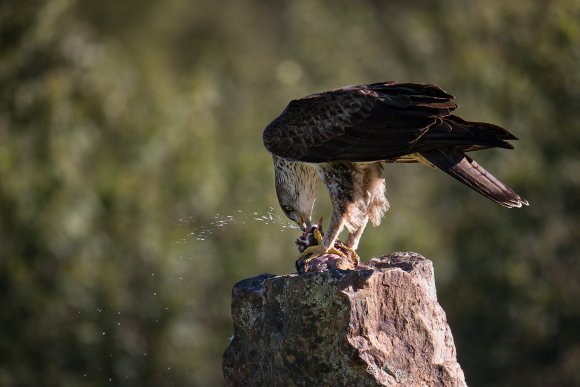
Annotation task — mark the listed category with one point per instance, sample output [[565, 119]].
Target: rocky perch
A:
[[380, 324]]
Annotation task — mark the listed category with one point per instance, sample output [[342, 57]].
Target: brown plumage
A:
[[344, 136]]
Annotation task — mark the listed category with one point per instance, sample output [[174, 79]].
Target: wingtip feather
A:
[[473, 175]]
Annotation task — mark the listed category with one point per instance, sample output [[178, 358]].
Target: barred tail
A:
[[470, 173]]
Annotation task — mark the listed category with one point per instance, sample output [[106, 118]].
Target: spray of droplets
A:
[[203, 231]]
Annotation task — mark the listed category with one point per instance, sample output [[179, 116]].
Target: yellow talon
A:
[[312, 252], [317, 250], [318, 236]]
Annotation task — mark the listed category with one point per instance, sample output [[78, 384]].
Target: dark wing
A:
[[454, 132], [463, 168], [380, 121], [358, 123]]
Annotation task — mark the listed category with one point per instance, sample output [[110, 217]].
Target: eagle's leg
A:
[[354, 237], [335, 228]]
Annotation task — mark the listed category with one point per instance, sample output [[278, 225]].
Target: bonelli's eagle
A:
[[344, 136]]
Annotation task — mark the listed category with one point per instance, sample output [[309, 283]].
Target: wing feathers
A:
[[380, 121], [470, 173]]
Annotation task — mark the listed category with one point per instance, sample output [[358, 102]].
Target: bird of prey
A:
[[343, 137]]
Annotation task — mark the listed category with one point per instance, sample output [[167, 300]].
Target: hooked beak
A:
[[304, 224]]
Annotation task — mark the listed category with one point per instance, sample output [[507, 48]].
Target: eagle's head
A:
[[296, 190]]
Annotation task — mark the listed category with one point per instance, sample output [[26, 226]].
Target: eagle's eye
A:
[[288, 209]]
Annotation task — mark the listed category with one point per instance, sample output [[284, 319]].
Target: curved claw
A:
[[317, 250], [311, 252], [311, 246]]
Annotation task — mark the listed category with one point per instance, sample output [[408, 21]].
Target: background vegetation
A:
[[135, 191]]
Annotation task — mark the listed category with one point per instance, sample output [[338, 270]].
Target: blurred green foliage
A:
[[132, 171]]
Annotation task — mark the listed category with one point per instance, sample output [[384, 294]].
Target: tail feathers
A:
[[473, 175]]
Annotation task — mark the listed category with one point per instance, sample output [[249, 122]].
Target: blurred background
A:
[[135, 190]]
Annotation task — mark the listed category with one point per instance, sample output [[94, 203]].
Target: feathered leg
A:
[[354, 237], [370, 196], [339, 179], [334, 228]]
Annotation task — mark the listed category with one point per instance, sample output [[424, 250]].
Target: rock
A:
[[377, 325]]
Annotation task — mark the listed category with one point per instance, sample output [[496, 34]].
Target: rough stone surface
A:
[[377, 325]]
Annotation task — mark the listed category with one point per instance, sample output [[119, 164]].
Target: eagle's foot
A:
[[317, 250], [315, 254], [317, 235], [315, 257]]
